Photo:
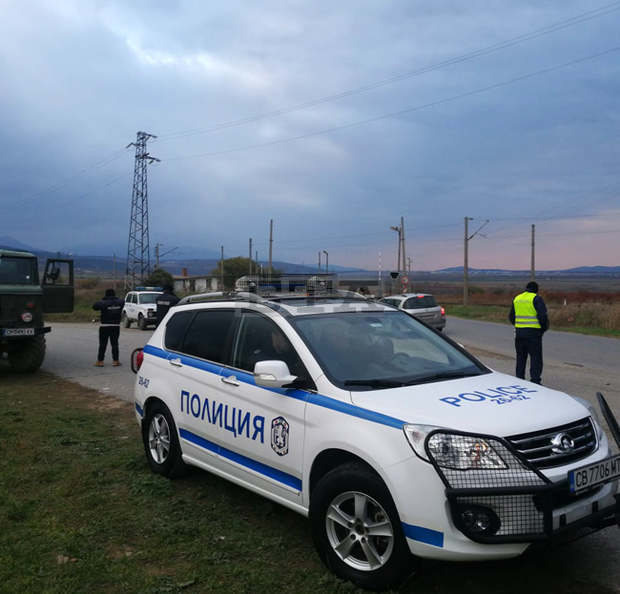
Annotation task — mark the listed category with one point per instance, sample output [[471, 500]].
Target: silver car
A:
[[421, 305]]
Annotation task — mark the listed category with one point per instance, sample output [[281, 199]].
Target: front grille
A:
[[537, 447]]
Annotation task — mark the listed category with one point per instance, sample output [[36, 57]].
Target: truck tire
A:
[[141, 322], [28, 356], [125, 320]]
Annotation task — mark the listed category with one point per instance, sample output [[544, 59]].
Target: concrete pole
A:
[[250, 257], [465, 279], [270, 248], [380, 278], [402, 238], [533, 265], [222, 267]]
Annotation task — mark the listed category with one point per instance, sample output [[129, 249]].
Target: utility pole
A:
[[319, 260], [466, 239], [402, 238], [250, 258], [380, 277], [326, 262], [138, 250], [533, 265], [222, 266], [399, 246], [159, 254], [270, 246]]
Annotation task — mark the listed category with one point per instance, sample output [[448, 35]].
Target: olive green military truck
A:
[[24, 300]]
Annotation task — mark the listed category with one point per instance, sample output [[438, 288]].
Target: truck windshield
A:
[[17, 271], [375, 350]]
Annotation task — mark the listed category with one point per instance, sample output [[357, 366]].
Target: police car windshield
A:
[[148, 297], [378, 350]]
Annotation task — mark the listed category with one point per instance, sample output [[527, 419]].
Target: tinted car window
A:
[[260, 339], [420, 302], [175, 329], [209, 335]]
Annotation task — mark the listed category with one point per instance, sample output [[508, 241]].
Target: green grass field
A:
[[82, 512]]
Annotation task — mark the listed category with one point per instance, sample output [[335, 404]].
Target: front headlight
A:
[[450, 450], [464, 452], [416, 436]]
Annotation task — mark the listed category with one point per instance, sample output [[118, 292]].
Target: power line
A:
[[577, 19], [399, 112], [60, 185]]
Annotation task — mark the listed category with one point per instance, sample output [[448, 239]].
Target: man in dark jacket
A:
[[528, 315], [164, 302], [111, 308]]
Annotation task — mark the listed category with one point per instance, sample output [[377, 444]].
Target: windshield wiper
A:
[[374, 383], [442, 376]]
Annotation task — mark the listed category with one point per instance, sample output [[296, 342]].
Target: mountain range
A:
[[197, 262]]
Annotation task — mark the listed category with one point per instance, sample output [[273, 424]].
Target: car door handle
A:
[[175, 362], [231, 379]]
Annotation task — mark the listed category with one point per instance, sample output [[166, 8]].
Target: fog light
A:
[[478, 520], [27, 317]]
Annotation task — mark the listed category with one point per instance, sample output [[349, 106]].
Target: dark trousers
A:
[[111, 332], [529, 345]]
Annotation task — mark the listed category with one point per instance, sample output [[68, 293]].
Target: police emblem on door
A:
[[279, 436]]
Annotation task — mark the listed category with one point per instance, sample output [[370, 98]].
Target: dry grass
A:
[[578, 310]]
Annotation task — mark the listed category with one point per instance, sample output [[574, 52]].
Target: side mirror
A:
[[272, 374]]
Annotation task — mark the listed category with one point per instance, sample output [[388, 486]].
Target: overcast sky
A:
[[340, 117]]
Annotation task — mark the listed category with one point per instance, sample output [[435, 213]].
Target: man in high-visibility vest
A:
[[528, 315]]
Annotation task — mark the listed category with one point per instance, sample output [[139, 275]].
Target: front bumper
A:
[[520, 504], [528, 515]]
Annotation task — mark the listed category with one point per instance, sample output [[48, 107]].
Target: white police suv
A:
[[393, 439]]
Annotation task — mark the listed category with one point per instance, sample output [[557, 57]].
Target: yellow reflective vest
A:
[[525, 312]]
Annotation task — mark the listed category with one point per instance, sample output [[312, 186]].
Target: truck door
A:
[[57, 285]]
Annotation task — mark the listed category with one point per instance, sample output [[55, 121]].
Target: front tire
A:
[[28, 355], [141, 322], [125, 321], [356, 528], [161, 442]]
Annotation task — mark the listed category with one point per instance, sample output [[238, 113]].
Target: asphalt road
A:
[[580, 365], [574, 363], [72, 351], [577, 350]]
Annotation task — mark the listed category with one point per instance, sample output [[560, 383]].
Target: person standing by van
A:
[[111, 308], [528, 315]]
